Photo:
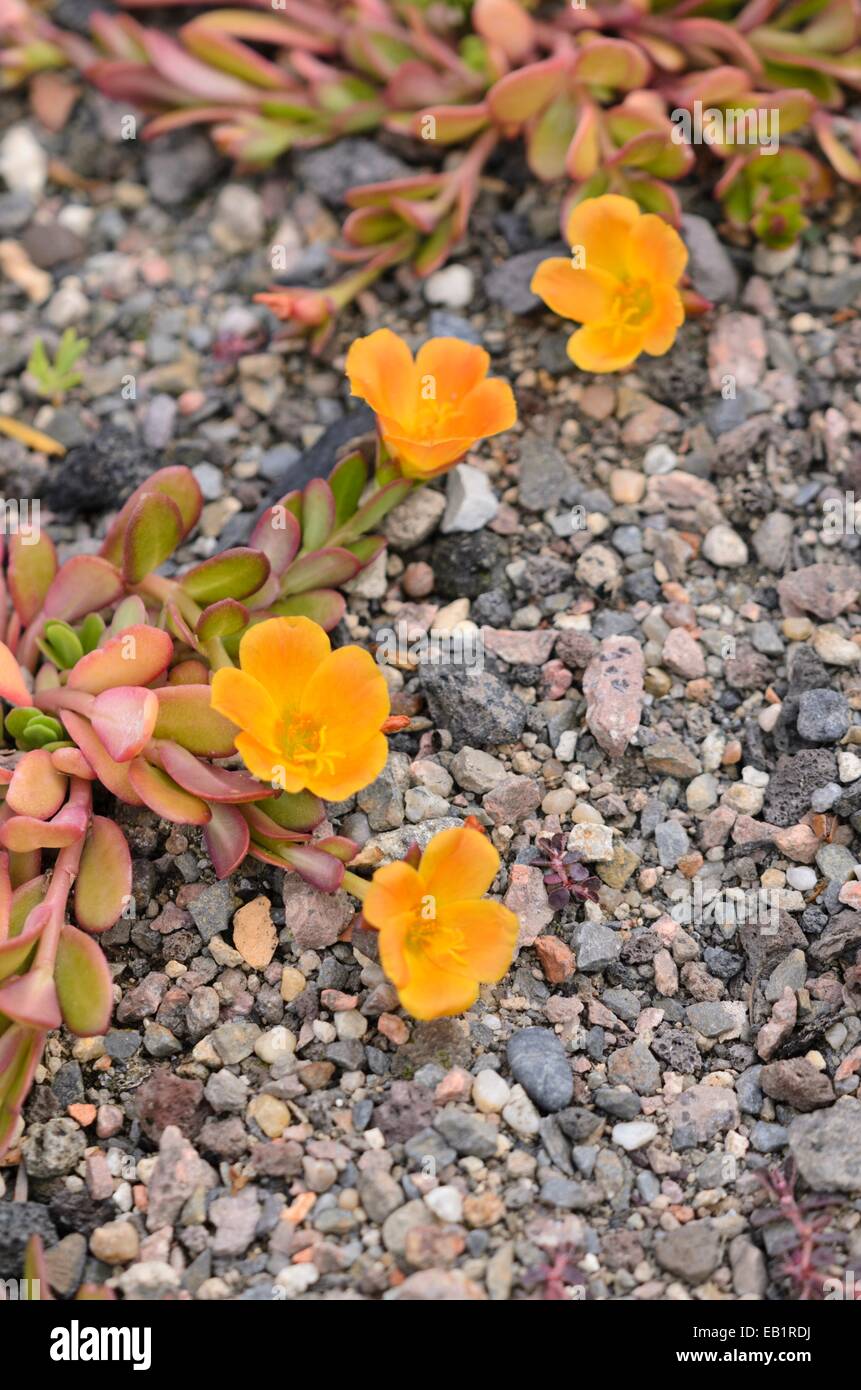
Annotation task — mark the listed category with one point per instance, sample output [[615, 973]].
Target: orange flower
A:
[[438, 942], [431, 410], [621, 283], [310, 717]]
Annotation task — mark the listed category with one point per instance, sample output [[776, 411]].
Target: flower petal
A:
[[603, 227], [456, 367], [243, 700], [604, 347], [659, 333], [489, 409], [282, 654], [579, 294], [394, 897], [350, 774], [381, 372], [348, 696], [490, 933], [266, 763], [656, 251], [424, 460], [458, 864], [433, 993]]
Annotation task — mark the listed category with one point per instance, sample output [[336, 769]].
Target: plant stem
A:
[[62, 879], [359, 887]]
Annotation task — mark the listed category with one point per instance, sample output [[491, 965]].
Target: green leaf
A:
[[347, 481], [318, 514], [104, 883], [153, 532], [232, 574], [84, 985]]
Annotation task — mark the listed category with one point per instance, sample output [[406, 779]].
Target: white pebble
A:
[[634, 1134], [445, 1203], [490, 1092], [453, 287], [799, 876]]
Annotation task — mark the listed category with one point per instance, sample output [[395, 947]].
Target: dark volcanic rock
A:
[[478, 709], [101, 473]]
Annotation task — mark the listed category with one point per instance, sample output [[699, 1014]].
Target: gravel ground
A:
[[671, 650]]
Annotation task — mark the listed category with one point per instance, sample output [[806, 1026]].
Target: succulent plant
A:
[[565, 876], [599, 95], [105, 667]]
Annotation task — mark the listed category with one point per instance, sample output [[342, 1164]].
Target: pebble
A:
[[490, 1092], [453, 287], [724, 547], [470, 500], [538, 1062], [634, 1135]]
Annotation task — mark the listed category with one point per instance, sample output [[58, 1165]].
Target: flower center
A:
[[305, 742], [632, 304], [443, 944], [431, 417]]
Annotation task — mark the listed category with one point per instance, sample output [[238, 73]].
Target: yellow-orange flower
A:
[[310, 717], [431, 410], [621, 283], [438, 942]]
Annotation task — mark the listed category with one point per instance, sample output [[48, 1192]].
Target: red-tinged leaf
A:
[[614, 63], [73, 763], [186, 716], [584, 152], [842, 160], [153, 532], [551, 136], [232, 574], [37, 788], [452, 125], [85, 584], [323, 870], [20, 1050], [129, 613], [714, 36], [179, 627], [124, 719], [324, 606], [279, 535], [12, 687], [32, 1000], [15, 952], [296, 810], [221, 619], [196, 79], [137, 657], [383, 194], [190, 672], [318, 513], [23, 833], [104, 883], [36, 1285], [231, 56], [340, 846], [162, 795], [227, 838], [319, 570], [114, 775], [267, 830], [367, 549], [208, 782], [177, 483], [371, 513], [29, 894], [5, 897], [85, 991], [520, 95], [31, 571], [261, 28], [506, 24], [24, 867]]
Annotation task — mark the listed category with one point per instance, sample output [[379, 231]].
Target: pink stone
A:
[[797, 842], [527, 897], [455, 1083], [682, 655], [824, 590], [100, 1184], [555, 679], [519, 648], [715, 827], [850, 893], [779, 1026], [737, 348], [666, 974], [613, 687], [748, 831]]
